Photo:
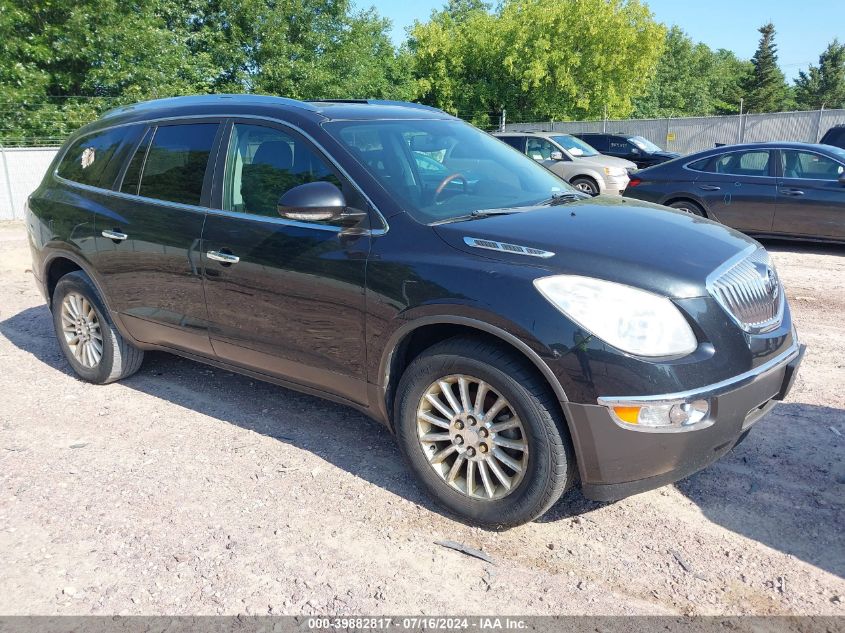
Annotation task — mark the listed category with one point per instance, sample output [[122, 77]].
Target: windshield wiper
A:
[[563, 198], [481, 213]]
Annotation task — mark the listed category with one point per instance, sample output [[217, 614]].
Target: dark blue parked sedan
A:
[[765, 189]]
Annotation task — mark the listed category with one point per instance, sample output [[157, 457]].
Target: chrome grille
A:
[[748, 288]]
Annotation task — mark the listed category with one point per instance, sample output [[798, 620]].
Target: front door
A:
[[148, 239], [289, 302], [739, 190], [811, 200]]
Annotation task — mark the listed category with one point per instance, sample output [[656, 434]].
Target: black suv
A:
[[637, 149], [834, 136], [516, 335]]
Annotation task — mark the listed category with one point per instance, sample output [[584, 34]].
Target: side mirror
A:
[[312, 202], [842, 179], [635, 151], [556, 156]]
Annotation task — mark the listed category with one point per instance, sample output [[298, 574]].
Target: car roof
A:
[[762, 145], [340, 109], [543, 133]]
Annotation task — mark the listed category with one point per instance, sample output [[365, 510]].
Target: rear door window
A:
[[132, 177], [94, 159], [752, 163], [517, 142], [175, 166], [598, 141]]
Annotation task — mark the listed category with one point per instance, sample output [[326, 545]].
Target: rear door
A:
[[290, 301], [148, 238], [739, 189], [811, 201]]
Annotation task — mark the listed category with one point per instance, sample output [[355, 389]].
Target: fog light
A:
[[662, 416]]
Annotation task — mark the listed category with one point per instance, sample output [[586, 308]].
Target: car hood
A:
[[618, 239], [666, 155], [606, 161]]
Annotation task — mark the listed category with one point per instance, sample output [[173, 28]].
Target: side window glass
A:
[[619, 146], [514, 141], [92, 160], [755, 163], [809, 165], [539, 148], [132, 177], [176, 162], [263, 163], [598, 142]]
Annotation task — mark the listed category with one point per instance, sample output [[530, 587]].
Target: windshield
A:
[[575, 146], [645, 144], [443, 169]]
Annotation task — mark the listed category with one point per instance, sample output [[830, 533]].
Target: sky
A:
[[804, 28]]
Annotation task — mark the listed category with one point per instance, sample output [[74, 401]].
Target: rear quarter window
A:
[[95, 159]]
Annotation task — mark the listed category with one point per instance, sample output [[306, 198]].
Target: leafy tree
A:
[[64, 61], [536, 58], [692, 80], [823, 85], [766, 88]]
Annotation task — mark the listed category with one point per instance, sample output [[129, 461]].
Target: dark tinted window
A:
[[834, 136], [599, 141], [752, 163], [263, 163], [619, 145], [176, 162], [93, 159], [132, 177], [701, 164], [517, 142]]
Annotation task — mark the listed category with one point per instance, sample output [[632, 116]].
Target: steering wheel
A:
[[446, 181]]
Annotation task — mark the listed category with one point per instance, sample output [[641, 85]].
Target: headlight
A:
[[614, 171], [632, 320]]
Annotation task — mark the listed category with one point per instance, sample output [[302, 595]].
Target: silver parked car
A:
[[573, 160]]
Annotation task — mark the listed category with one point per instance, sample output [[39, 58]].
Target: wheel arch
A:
[[592, 175], [414, 337], [679, 197]]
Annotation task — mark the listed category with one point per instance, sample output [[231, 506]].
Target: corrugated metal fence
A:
[[693, 134], [21, 171]]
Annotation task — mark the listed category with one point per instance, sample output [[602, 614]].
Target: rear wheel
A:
[[587, 185], [92, 345], [483, 433], [688, 206]]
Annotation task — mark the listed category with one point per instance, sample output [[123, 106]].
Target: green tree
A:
[[535, 58], [64, 61], [766, 88], [823, 85], [691, 80]]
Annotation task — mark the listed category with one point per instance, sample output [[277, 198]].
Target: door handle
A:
[[709, 187], [117, 236], [792, 192], [223, 258]]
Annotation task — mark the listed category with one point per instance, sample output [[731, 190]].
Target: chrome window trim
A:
[[714, 389], [778, 149], [222, 117]]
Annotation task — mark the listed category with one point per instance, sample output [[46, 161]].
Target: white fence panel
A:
[[21, 171], [694, 134]]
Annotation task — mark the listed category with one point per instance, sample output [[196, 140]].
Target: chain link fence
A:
[[694, 134]]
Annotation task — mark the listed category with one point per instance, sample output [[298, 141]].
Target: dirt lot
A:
[[190, 490]]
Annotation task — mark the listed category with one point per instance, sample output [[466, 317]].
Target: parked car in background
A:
[[573, 160], [834, 136], [636, 149], [765, 189]]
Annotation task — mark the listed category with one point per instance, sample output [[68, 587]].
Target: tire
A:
[[117, 358], [688, 206], [548, 465], [585, 184]]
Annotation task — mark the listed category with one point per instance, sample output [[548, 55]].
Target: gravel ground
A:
[[191, 490]]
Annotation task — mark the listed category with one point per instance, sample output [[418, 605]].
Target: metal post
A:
[[8, 182], [604, 126], [739, 129], [502, 120], [819, 125], [668, 127]]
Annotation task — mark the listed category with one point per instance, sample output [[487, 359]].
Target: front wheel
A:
[[587, 185], [482, 433], [92, 345]]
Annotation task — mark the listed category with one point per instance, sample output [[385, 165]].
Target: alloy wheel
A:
[[472, 437], [81, 329]]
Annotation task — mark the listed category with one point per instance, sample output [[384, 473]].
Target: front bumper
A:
[[616, 184], [616, 462]]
